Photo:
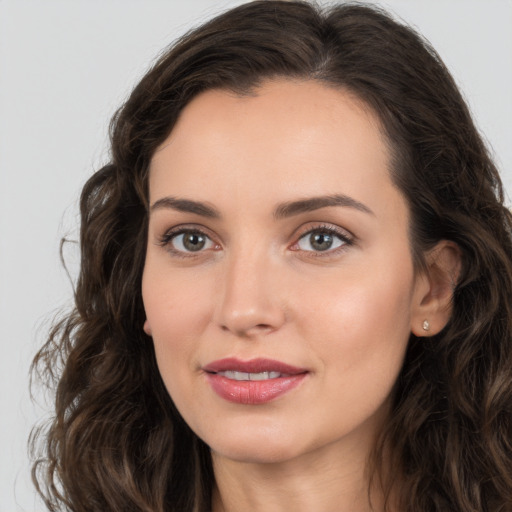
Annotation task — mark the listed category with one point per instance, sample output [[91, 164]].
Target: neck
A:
[[324, 481]]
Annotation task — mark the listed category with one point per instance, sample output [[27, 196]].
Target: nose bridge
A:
[[248, 303]]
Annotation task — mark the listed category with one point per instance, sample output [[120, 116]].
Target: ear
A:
[[434, 287], [147, 328]]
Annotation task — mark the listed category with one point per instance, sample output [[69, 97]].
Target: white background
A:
[[64, 68]]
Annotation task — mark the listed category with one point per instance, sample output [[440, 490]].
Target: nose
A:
[[249, 301]]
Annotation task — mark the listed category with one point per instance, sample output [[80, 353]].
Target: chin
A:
[[256, 447], [268, 454]]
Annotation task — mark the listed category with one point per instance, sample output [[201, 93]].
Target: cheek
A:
[[360, 326], [360, 337], [177, 311], [174, 301]]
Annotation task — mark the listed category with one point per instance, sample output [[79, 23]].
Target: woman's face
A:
[[278, 285]]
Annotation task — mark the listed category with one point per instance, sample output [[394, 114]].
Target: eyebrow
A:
[[187, 206], [315, 203], [284, 210]]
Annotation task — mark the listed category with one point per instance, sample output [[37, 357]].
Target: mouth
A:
[[245, 376], [253, 382], [254, 367]]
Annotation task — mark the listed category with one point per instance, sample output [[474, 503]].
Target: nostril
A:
[[248, 331], [249, 316], [257, 329]]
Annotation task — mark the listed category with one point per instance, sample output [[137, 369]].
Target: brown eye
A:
[[193, 241], [190, 241], [321, 240]]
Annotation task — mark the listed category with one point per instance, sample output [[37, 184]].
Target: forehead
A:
[[287, 138]]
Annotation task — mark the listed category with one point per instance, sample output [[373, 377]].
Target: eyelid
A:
[[343, 234], [165, 240]]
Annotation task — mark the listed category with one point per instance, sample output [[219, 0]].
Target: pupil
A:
[[321, 241], [193, 241]]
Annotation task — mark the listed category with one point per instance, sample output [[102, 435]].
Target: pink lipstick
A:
[[253, 382]]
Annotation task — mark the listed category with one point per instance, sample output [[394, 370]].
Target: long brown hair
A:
[[117, 442]]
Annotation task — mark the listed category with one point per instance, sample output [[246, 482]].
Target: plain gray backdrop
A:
[[65, 66]]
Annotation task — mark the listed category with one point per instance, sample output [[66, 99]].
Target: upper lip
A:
[[258, 365]]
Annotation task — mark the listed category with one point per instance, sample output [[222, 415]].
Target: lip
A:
[[252, 392], [252, 366]]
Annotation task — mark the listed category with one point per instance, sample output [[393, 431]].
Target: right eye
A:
[[188, 241]]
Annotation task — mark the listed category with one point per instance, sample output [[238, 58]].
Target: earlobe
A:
[[434, 289], [147, 328]]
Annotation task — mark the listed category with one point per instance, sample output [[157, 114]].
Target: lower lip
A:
[[253, 392]]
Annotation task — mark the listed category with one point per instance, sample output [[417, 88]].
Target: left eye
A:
[[320, 240], [190, 241]]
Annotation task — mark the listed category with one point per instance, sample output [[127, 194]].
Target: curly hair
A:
[[117, 442]]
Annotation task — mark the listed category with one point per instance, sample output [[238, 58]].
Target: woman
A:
[[295, 283]]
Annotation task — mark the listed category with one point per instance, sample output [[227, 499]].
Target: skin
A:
[[259, 288]]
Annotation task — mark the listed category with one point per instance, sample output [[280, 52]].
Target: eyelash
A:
[[166, 240], [346, 240]]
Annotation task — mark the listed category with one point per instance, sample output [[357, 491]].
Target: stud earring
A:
[[426, 325]]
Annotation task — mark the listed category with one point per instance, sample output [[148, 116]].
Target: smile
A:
[[245, 376], [253, 382]]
